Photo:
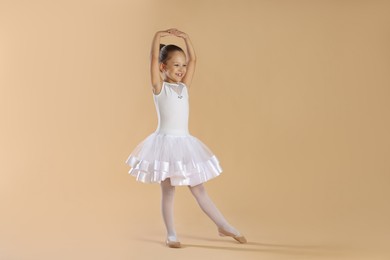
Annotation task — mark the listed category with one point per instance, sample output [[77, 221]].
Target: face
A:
[[175, 68]]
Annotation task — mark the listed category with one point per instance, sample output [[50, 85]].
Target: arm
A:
[[191, 62], [154, 64]]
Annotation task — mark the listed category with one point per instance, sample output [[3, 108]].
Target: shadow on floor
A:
[[260, 247]]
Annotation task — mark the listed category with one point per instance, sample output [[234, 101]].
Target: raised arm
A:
[[191, 59], [154, 64]]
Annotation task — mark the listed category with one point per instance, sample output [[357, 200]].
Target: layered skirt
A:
[[183, 158]]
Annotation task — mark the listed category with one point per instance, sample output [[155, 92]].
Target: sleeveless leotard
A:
[[172, 109]]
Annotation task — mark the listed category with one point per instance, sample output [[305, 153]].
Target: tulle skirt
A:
[[183, 158]]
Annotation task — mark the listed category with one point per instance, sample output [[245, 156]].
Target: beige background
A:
[[292, 97]]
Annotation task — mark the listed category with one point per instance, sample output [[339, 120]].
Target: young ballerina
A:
[[171, 156]]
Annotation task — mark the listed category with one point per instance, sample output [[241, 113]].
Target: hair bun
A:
[[165, 51]]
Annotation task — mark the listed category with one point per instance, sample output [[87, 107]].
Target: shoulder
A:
[[184, 84]]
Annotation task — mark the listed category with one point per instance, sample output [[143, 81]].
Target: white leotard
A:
[[172, 105]]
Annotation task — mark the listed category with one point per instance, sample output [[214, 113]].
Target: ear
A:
[[162, 67]]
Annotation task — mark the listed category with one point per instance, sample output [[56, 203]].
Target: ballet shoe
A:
[[172, 244], [224, 233]]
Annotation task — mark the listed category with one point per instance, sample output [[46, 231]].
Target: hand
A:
[[163, 33], [179, 33], [174, 32], [167, 32]]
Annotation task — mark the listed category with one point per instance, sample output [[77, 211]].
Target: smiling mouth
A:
[[179, 74]]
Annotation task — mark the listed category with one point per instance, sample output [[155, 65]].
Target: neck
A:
[[171, 81]]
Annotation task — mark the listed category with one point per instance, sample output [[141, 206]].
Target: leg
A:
[[210, 209], [168, 192]]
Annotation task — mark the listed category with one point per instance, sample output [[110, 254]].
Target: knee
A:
[[170, 191], [198, 191], [167, 189]]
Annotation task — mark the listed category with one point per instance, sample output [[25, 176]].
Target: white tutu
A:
[[183, 158]]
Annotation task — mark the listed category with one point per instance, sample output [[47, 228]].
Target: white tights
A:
[[205, 203]]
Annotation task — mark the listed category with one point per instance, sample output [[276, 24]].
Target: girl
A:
[[171, 156]]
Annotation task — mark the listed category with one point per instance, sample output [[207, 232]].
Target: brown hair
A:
[[165, 50]]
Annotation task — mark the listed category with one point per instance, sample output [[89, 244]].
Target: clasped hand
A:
[[174, 32]]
